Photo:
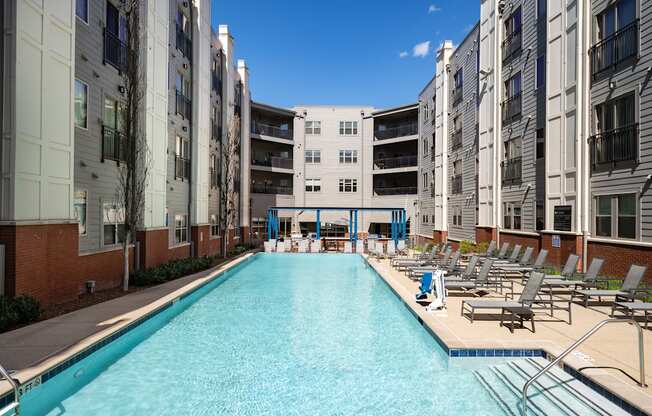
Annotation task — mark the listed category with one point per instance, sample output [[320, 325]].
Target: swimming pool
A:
[[280, 335]]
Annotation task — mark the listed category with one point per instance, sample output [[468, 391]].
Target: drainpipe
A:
[[193, 248], [497, 124], [583, 30]]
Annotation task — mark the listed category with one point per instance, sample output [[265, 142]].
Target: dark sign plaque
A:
[[563, 217]]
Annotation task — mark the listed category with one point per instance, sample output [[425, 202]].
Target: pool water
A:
[[283, 334]]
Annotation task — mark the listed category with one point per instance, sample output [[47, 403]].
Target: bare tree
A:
[[228, 193], [134, 169]]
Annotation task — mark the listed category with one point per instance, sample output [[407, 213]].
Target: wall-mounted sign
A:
[[556, 241], [563, 217]]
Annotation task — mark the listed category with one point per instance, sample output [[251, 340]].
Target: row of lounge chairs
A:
[[315, 246]]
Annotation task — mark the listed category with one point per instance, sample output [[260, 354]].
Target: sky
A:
[[378, 53]]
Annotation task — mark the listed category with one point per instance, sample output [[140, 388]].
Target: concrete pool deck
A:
[[613, 347]]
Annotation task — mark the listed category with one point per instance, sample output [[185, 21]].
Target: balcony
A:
[[512, 171], [216, 132], [395, 190], [115, 51], [184, 43], [614, 50], [458, 94], [512, 44], [181, 168], [396, 162], [456, 140], [271, 189], [613, 146], [216, 83], [113, 144], [184, 106], [271, 160], [511, 108], [258, 127], [400, 130], [456, 184]]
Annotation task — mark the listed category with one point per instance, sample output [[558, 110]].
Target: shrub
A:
[[467, 246], [18, 311], [481, 248]]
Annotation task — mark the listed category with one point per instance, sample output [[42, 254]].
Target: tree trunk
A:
[[125, 249]]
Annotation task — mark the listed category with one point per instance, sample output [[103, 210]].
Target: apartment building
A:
[[63, 144], [425, 214]]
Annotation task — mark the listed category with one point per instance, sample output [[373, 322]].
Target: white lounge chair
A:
[[269, 246], [391, 249], [303, 246], [359, 246], [371, 245], [347, 247], [401, 247], [315, 246], [280, 247]]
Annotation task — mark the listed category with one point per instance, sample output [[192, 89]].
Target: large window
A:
[[513, 37], [81, 9], [348, 156], [616, 37], [616, 216], [616, 137], [81, 209], [113, 114], [541, 72], [541, 143], [615, 18], [215, 227], [313, 185], [511, 216], [348, 185], [180, 228], [182, 158], [81, 104], [348, 128], [313, 127], [214, 171], [457, 216], [313, 156], [183, 23], [113, 226]]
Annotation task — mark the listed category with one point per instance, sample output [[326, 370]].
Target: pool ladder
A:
[[13, 407]]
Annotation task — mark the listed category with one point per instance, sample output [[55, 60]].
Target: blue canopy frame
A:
[[398, 220]]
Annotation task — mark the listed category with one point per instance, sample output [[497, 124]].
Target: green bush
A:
[[467, 247], [18, 311], [172, 270], [481, 248]]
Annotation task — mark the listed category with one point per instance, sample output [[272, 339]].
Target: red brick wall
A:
[[421, 240], [523, 240], [153, 247], [200, 237], [485, 234], [214, 246], [618, 258], [570, 244], [439, 236]]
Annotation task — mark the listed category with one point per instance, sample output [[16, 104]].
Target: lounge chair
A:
[[303, 246], [569, 270], [476, 285], [348, 247], [502, 254], [359, 246], [391, 249], [280, 247], [315, 246], [589, 280], [629, 309], [425, 287], [537, 265], [627, 292], [269, 246], [371, 245], [404, 262], [467, 273], [450, 267], [401, 247], [490, 249], [513, 258], [521, 308]]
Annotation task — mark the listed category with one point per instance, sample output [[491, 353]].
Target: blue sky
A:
[[345, 52]]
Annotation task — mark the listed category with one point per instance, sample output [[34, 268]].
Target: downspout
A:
[[498, 126], [193, 248], [584, 106]]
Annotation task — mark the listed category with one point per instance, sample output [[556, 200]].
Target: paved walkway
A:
[[613, 347]]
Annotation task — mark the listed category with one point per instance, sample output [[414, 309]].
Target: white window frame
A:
[[87, 88], [350, 183], [313, 185], [310, 154], [214, 226], [181, 225], [85, 205], [509, 210], [348, 157], [614, 215], [351, 126], [313, 127], [116, 224]]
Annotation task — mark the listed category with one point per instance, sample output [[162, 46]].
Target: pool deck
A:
[[613, 347]]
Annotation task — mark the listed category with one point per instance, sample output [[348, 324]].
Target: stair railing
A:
[[14, 406]]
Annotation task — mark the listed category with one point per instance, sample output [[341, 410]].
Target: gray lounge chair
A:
[[523, 262], [521, 308], [403, 262], [490, 249], [569, 270], [450, 266], [476, 285], [589, 280], [502, 254], [627, 291], [467, 273], [630, 308], [513, 258]]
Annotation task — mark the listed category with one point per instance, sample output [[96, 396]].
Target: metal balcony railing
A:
[[272, 161], [456, 139], [617, 145], [113, 144], [216, 83], [184, 43], [395, 190], [512, 171], [181, 168], [456, 184], [271, 189], [396, 162], [184, 106], [512, 44], [615, 49], [401, 130], [511, 107], [258, 127], [115, 51]]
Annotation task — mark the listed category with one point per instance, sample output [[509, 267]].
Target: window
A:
[[459, 79], [424, 180], [457, 216], [511, 216], [616, 216], [313, 127], [313, 156], [113, 114], [116, 23], [80, 210], [180, 228], [348, 128], [541, 72], [183, 85], [541, 8], [513, 86], [182, 161], [616, 138], [513, 148], [426, 111], [81, 104], [214, 171], [112, 224], [540, 215], [348, 156], [513, 25], [215, 227], [348, 185], [81, 9], [617, 113], [313, 185], [615, 18], [541, 143]]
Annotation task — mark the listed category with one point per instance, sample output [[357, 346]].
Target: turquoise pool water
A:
[[282, 335]]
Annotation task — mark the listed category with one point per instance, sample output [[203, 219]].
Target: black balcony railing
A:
[[512, 171], [395, 190], [456, 139], [272, 161], [456, 184], [113, 144], [458, 94], [257, 188], [184, 43], [610, 52], [258, 127], [511, 107], [613, 146], [184, 106], [512, 44], [115, 51], [181, 168], [216, 132], [216, 83], [396, 162], [401, 130], [215, 178]]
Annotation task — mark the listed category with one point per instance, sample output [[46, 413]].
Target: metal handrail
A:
[[16, 404], [641, 355]]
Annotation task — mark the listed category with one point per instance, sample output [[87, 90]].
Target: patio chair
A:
[[490, 249], [569, 270], [502, 254], [269, 246], [467, 273], [479, 284], [280, 247], [401, 247], [513, 258], [521, 308], [627, 292], [425, 287], [391, 249], [315, 246], [402, 262], [446, 267], [303, 246], [348, 247], [359, 246], [629, 309], [589, 280]]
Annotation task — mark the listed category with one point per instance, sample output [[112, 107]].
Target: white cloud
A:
[[403, 54], [434, 8], [421, 50]]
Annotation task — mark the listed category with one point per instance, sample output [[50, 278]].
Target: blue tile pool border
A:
[[513, 353], [217, 280]]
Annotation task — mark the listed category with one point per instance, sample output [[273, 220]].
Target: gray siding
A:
[[426, 205], [216, 145], [465, 58], [632, 77]]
